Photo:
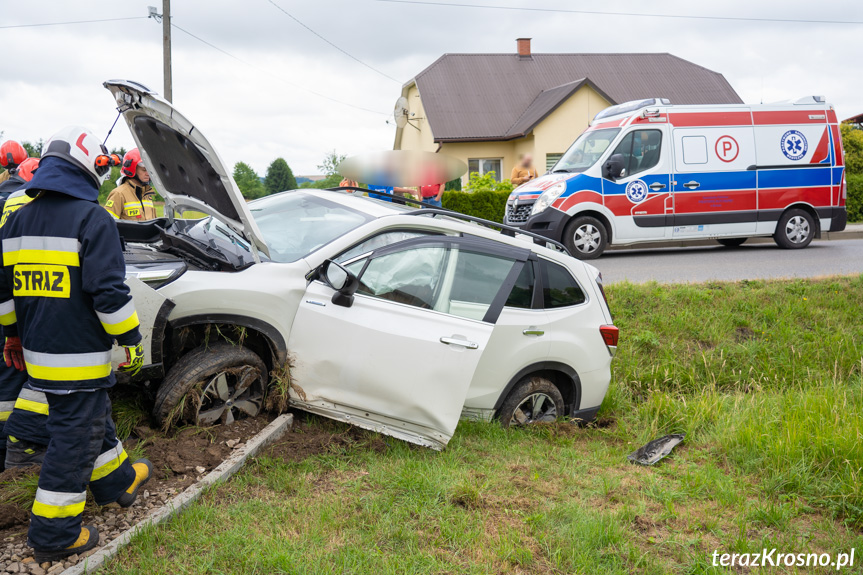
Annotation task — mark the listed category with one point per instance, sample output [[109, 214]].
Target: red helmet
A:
[[26, 168], [130, 163], [12, 153]]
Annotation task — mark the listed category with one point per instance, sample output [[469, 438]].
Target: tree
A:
[[852, 141], [109, 184], [34, 149], [279, 177], [330, 165], [486, 183], [248, 181], [331, 181]]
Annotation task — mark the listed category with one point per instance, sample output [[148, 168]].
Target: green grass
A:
[[765, 379], [188, 215]]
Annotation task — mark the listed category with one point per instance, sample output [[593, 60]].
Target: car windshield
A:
[[586, 150], [295, 224]]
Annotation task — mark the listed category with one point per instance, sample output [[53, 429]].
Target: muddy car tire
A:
[[532, 400], [210, 371]]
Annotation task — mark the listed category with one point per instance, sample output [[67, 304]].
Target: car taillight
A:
[[610, 334]]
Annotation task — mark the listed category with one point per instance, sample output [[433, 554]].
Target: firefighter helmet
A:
[[11, 154], [79, 146], [26, 168], [130, 163]]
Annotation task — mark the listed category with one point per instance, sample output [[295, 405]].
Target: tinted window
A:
[[522, 292], [640, 150], [560, 289]]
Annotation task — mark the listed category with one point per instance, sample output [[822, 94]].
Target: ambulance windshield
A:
[[585, 151]]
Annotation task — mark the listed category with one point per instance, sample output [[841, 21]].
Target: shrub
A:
[[489, 205], [854, 202], [487, 183]]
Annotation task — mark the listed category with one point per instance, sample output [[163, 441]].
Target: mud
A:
[[306, 440]]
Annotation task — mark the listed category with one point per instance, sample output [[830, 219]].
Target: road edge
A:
[[849, 234]]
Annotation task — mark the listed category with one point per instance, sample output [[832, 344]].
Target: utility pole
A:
[[166, 49]]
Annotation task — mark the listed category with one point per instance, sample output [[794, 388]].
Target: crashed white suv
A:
[[391, 318]]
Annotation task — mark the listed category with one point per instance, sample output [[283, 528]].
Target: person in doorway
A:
[[133, 198], [433, 193], [523, 171], [63, 304]]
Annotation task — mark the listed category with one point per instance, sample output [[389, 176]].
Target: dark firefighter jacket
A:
[[62, 287]]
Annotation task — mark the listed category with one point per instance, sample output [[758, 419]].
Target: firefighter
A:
[[23, 411], [63, 303], [19, 176], [133, 198], [11, 154]]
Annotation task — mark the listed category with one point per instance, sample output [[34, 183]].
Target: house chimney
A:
[[523, 47]]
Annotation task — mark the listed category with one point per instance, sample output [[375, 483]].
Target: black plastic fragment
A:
[[656, 449]]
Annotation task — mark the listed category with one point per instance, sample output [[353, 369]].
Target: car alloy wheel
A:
[[230, 395], [797, 229], [534, 408]]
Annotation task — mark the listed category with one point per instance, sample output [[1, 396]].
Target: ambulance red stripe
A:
[[706, 119], [790, 117]]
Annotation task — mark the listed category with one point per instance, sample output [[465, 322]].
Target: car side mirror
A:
[[344, 282], [613, 167]]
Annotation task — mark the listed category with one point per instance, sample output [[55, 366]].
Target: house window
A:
[[483, 166], [551, 160]]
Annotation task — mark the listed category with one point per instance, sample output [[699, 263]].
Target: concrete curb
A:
[[227, 468], [852, 232]]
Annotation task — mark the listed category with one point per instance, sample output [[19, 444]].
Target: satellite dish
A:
[[400, 112]]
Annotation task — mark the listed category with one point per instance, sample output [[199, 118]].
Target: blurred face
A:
[[527, 160], [142, 174]]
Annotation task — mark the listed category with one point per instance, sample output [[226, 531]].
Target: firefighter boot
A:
[[143, 470], [88, 539]]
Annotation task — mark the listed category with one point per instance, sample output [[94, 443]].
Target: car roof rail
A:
[[432, 210]]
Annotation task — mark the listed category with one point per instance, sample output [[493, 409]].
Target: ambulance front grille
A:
[[518, 214]]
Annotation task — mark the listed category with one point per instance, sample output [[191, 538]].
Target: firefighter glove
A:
[[134, 359], [13, 354]]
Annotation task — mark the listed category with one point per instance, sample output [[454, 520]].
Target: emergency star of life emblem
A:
[[636, 191], [794, 145]]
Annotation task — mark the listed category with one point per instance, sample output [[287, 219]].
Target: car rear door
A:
[[401, 359]]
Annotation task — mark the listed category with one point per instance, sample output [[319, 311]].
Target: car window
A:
[[521, 295], [477, 280], [640, 150], [410, 277], [559, 287], [379, 241], [586, 150]]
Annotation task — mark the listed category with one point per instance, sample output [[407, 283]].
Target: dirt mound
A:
[[12, 515], [311, 437]]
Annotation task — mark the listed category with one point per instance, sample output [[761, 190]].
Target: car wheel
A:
[[795, 230], [212, 384], [732, 242], [586, 238], [533, 400]]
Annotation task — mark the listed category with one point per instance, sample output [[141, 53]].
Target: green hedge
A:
[[854, 202], [485, 204]]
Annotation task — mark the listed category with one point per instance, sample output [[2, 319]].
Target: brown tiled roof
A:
[[503, 96]]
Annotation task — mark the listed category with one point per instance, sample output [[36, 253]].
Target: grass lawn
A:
[[764, 377], [190, 215]]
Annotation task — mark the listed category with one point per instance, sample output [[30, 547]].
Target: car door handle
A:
[[461, 342], [691, 185], [657, 186], [532, 331]]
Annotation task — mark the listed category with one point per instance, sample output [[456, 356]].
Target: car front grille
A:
[[517, 214]]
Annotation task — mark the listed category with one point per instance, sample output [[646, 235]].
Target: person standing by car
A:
[[133, 198], [11, 154], [523, 171], [433, 193], [63, 303]]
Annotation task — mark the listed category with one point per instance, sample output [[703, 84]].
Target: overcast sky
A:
[[257, 109]]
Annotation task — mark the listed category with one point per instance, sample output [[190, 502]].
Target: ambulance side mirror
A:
[[613, 167]]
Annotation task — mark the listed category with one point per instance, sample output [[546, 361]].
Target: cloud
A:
[[263, 108]]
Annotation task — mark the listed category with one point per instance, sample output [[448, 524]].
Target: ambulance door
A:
[[641, 195], [714, 184]]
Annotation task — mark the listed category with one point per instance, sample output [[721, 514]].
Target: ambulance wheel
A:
[[732, 242], [215, 383], [586, 238], [795, 230]]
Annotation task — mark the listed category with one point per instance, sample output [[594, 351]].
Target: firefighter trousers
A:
[[83, 450], [27, 429]]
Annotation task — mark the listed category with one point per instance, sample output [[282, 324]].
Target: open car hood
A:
[[183, 165]]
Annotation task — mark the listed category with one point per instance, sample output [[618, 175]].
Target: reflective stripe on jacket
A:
[[131, 201]]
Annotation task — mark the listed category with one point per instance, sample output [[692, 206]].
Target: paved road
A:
[[758, 261]]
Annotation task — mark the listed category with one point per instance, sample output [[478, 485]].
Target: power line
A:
[[263, 71], [342, 50], [71, 22], [605, 13]]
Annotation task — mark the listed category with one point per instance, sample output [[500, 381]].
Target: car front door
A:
[[401, 358]]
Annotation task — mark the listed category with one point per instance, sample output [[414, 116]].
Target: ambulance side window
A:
[[640, 150]]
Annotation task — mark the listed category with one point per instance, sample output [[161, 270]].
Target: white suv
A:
[[391, 318]]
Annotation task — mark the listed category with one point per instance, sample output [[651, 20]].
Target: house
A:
[[489, 109]]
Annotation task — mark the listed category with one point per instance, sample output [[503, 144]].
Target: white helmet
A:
[[79, 146]]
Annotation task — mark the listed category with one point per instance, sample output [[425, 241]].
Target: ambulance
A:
[[650, 171]]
